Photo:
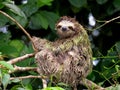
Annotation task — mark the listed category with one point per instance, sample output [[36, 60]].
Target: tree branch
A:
[[27, 77], [20, 26], [91, 85], [13, 61], [18, 69], [44, 83], [106, 22]]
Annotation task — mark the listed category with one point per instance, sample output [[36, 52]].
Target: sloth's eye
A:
[[70, 27], [58, 26]]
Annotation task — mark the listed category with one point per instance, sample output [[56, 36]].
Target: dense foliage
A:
[[38, 17]]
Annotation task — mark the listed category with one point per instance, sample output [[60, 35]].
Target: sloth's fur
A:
[[68, 59]]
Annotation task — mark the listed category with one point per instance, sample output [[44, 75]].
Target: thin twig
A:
[[106, 22], [15, 60], [18, 69], [20, 26], [27, 77], [106, 78], [44, 83], [91, 85]]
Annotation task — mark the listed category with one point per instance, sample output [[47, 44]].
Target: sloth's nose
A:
[[64, 28]]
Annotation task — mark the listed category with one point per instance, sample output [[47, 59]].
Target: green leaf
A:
[[15, 9], [117, 45], [116, 87], [111, 10], [27, 62], [53, 88], [7, 65], [28, 87], [41, 3], [17, 87], [9, 50], [3, 20], [38, 21], [18, 47], [21, 20], [5, 80], [26, 82], [78, 3], [17, 44], [13, 49], [5, 38], [30, 8], [117, 68], [16, 80], [116, 3], [43, 21], [1, 5], [101, 1], [51, 18]]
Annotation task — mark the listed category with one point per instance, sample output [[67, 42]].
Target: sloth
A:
[[67, 59]]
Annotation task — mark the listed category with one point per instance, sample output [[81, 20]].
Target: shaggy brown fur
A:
[[67, 59]]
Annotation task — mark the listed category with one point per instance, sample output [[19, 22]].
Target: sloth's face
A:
[[65, 29]]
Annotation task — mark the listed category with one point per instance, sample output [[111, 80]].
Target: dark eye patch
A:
[[70, 27], [58, 26]]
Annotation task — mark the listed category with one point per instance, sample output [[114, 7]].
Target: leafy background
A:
[[38, 17]]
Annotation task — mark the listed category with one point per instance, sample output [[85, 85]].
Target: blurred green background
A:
[[38, 17]]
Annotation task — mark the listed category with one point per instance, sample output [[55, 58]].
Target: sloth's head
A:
[[67, 27]]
